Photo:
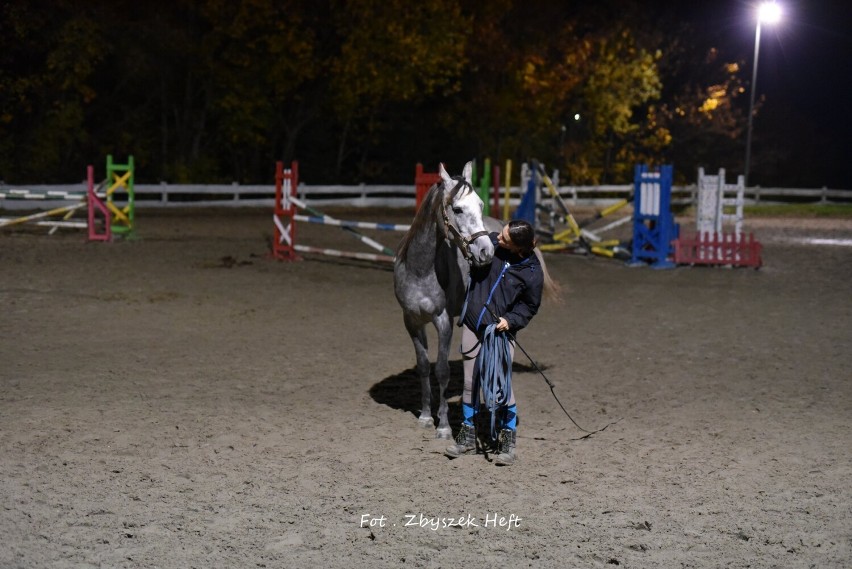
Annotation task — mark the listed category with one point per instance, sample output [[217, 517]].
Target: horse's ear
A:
[[443, 172], [468, 172]]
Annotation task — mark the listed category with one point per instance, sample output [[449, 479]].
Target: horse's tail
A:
[[552, 289]]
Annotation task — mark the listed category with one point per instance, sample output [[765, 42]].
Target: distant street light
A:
[[565, 131], [769, 12]]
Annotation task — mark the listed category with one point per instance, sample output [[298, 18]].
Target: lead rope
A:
[[495, 371], [492, 369], [552, 390]]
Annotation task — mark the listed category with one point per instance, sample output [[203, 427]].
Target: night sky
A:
[[806, 59], [804, 66]]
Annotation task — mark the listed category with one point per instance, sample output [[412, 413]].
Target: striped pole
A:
[[349, 254], [41, 196], [52, 224], [57, 211], [324, 219], [65, 218], [286, 203], [614, 224]]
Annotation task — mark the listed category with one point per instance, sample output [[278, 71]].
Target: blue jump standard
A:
[[654, 228]]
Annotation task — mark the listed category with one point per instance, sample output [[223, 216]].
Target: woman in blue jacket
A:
[[506, 294]]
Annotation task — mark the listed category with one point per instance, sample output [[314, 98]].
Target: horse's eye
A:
[[457, 210]]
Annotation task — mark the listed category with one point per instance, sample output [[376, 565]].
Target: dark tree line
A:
[[360, 90]]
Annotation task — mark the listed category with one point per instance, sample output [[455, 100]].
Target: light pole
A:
[[769, 12]]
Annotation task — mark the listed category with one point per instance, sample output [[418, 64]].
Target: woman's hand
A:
[[502, 325]]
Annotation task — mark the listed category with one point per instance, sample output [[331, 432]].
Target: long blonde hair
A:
[[552, 289], [522, 234]]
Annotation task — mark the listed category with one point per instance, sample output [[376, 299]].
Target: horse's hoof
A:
[[444, 433], [426, 422]]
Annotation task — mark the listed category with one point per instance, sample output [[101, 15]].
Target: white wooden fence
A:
[[401, 196]]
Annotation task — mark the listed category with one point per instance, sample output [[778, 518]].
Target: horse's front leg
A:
[[421, 353], [444, 324]]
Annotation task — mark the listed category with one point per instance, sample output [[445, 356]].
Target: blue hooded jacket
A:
[[514, 285]]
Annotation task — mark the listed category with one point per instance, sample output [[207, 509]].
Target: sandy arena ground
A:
[[182, 401]]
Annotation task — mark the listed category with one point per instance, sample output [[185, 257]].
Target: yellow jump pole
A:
[[507, 193], [614, 207], [572, 223], [57, 211], [607, 211], [65, 217]]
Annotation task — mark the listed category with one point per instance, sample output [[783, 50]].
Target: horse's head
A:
[[462, 213]]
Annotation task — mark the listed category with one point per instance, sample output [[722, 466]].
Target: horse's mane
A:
[[430, 209]]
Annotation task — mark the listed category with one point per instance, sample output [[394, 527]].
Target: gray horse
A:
[[431, 274]]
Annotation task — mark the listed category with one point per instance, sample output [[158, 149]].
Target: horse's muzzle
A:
[[481, 251]]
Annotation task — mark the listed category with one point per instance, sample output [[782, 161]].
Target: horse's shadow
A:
[[402, 391]]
